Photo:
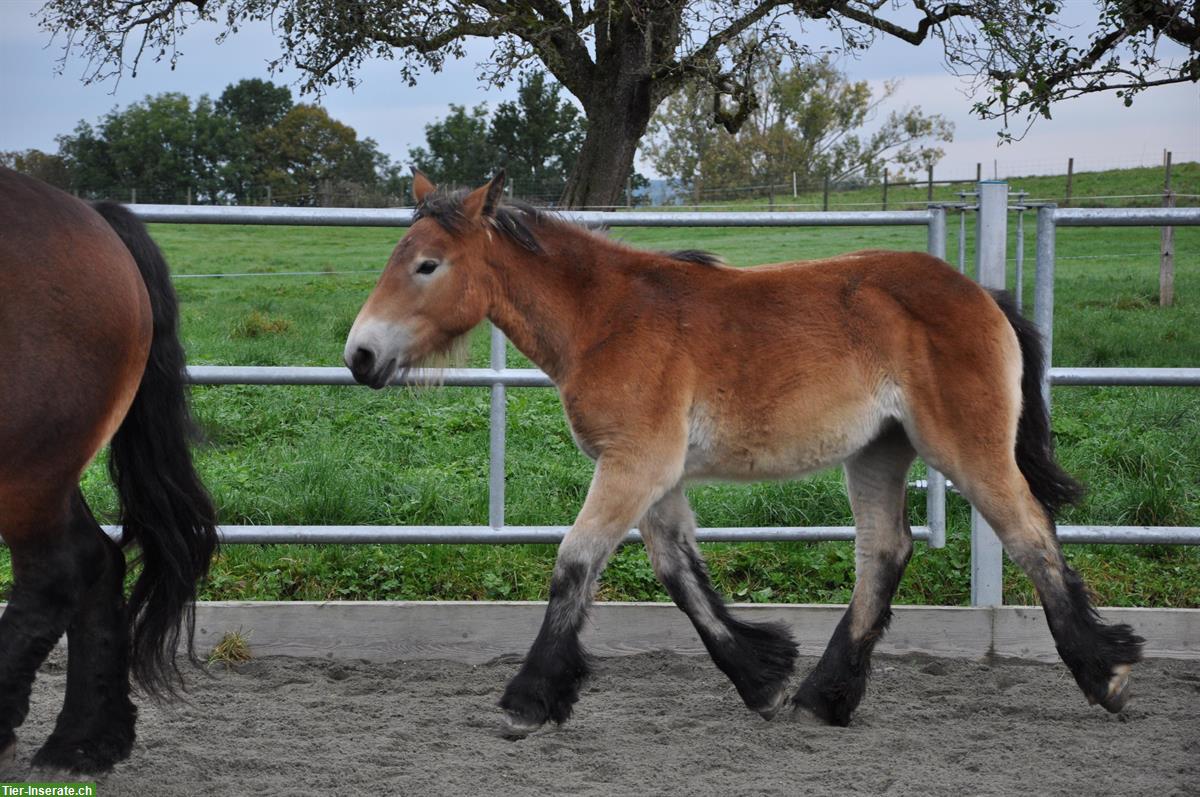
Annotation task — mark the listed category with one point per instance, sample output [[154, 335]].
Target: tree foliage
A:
[[47, 167], [622, 58], [811, 121], [253, 142], [536, 139]]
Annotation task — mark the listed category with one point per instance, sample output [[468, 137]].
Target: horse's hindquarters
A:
[[75, 330]]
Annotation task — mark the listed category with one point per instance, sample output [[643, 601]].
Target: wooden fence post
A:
[[929, 193], [1070, 180], [885, 186], [825, 199]]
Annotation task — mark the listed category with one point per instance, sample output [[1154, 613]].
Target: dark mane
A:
[[513, 218], [517, 221], [698, 256]]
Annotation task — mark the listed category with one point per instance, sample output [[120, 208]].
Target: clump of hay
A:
[[234, 648]]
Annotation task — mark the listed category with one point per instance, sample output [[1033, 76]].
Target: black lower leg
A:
[[547, 685], [43, 598], [1095, 653], [96, 727], [835, 687], [757, 657]]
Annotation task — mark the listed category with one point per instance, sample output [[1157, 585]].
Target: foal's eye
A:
[[427, 267]]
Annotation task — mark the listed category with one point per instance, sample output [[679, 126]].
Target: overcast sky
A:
[[1098, 131]]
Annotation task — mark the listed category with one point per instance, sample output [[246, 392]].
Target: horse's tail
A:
[[1053, 487], [165, 508]]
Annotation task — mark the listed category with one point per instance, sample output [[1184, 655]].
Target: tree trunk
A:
[[615, 126], [619, 101]]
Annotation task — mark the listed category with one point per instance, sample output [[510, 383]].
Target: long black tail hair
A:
[[165, 509], [1053, 487]]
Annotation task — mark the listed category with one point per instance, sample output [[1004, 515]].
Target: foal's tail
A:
[[165, 508], [1053, 487]]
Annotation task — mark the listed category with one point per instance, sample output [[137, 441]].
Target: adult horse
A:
[[674, 367], [89, 352]]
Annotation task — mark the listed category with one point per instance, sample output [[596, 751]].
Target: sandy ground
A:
[[650, 724]]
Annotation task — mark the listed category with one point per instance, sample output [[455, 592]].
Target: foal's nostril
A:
[[362, 363]]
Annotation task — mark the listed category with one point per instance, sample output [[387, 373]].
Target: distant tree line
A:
[[250, 146]]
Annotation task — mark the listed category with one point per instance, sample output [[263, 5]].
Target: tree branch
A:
[[924, 26]]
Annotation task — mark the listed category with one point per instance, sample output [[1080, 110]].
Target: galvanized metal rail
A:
[[499, 377]]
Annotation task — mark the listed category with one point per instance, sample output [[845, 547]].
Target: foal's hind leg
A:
[[876, 480], [757, 657], [96, 727], [1099, 656]]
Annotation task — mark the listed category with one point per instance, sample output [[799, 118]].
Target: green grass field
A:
[[419, 457]]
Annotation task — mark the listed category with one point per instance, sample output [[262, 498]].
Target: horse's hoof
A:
[[802, 715], [514, 726], [8, 755], [769, 711], [1118, 689]]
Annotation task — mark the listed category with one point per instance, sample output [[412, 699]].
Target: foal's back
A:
[[795, 366]]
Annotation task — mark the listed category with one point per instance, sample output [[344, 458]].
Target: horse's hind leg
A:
[[876, 480], [96, 726], [47, 586], [757, 657]]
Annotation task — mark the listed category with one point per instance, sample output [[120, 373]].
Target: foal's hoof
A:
[[771, 709], [1118, 690], [514, 726]]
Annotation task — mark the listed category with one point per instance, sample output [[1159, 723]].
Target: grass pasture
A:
[[330, 455]]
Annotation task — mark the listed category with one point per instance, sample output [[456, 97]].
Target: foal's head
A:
[[434, 288]]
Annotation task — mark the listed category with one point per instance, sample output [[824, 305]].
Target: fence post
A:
[[1019, 286], [991, 238], [825, 201], [935, 482], [885, 186], [133, 196], [962, 236], [1070, 180], [496, 433], [1166, 264], [795, 193], [1043, 290], [929, 193]]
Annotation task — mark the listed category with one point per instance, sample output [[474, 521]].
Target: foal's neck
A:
[[542, 301]]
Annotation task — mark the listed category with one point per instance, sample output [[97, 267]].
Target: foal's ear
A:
[[483, 201], [422, 187]]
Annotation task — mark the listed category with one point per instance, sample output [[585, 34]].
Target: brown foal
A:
[[673, 367]]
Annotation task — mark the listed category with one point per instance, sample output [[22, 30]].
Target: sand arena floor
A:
[[649, 724]]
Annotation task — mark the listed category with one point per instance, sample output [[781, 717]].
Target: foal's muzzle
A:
[[367, 370], [375, 350]]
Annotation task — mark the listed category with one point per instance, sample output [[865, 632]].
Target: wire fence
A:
[[1090, 185]]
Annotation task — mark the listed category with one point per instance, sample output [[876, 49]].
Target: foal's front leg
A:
[[547, 685]]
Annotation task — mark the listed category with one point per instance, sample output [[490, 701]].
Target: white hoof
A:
[[1118, 683], [516, 727]]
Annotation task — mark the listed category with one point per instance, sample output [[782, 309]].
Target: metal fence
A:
[[993, 213]]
